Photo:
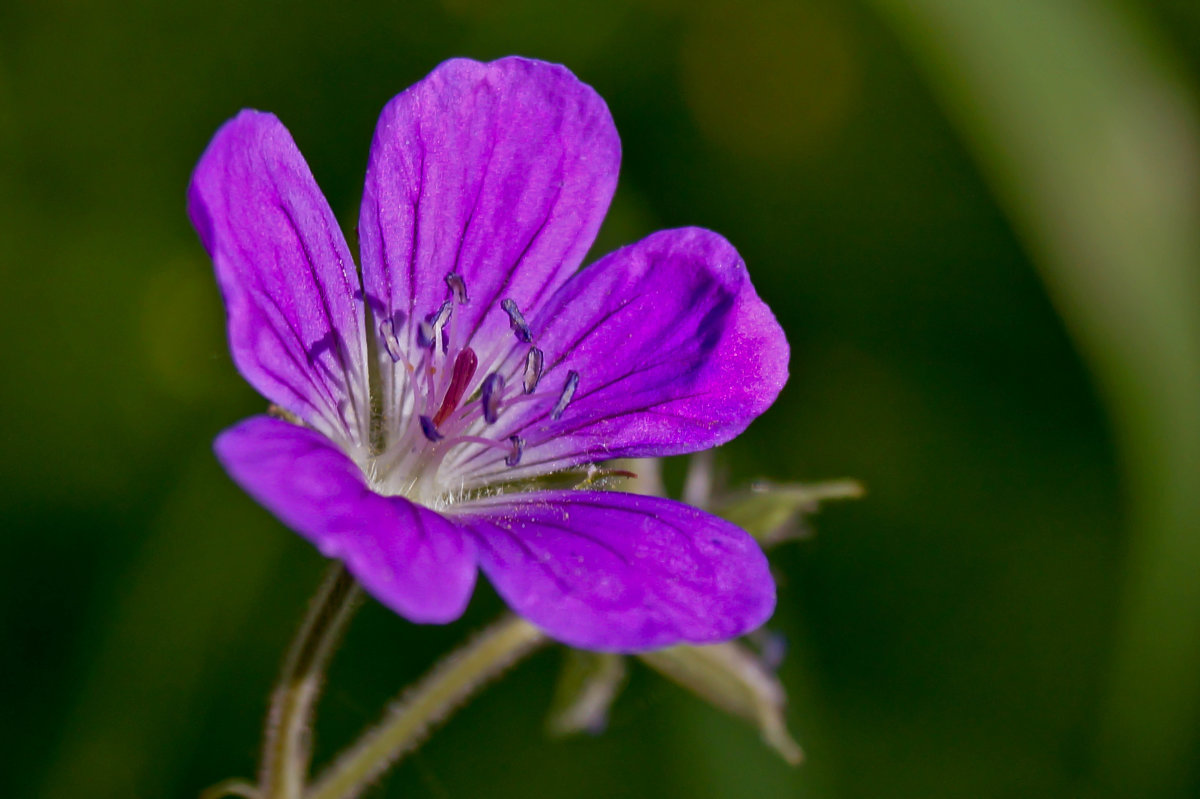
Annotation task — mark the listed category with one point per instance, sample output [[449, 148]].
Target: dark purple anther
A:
[[533, 369], [518, 449], [430, 429], [425, 334], [564, 399], [458, 288], [442, 314], [429, 330], [516, 320], [493, 387], [387, 331]]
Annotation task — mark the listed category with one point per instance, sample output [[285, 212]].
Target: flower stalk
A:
[[418, 709], [287, 741]]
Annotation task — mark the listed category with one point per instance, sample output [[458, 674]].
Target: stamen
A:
[[387, 331], [516, 321], [430, 429], [483, 442], [493, 387], [533, 369], [425, 334], [464, 370], [518, 449], [458, 288], [430, 328], [568, 392], [443, 313]]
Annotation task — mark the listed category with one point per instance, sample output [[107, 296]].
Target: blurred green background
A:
[[977, 220]]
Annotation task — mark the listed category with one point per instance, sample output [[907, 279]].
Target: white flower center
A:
[[445, 401]]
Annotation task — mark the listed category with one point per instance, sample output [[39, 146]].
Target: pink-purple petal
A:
[[620, 572], [674, 350], [290, 286], [408, 557], [500, 173], [486, 185]]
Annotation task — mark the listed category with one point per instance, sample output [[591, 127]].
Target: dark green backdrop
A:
[[977, 223]]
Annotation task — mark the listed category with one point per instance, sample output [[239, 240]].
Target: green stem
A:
[[287, 739], [406, 723]]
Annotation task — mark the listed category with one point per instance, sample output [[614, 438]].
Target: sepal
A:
[[587, 686], [733, 678], [776, 513]]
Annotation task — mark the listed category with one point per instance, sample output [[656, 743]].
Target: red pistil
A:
[[464, 370]]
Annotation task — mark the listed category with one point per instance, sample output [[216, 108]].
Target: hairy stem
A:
[[411, 717], [287, 740]]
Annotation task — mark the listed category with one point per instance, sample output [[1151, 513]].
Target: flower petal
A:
[[621, 572], [290, 286], [500, 173], [674, 353], [411, 559]]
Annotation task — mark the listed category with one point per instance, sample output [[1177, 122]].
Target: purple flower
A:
[[473, 354]]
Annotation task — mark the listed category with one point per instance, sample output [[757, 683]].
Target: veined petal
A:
[[500, 173], [290, 286], [411, 559], [620, 572], [674, 353]]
